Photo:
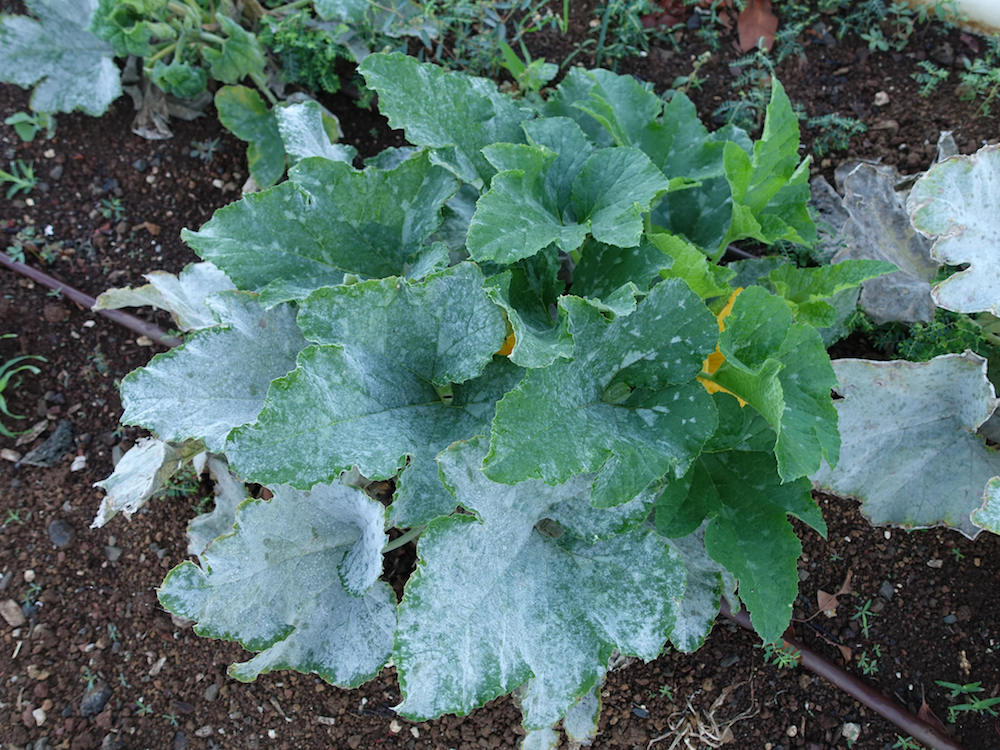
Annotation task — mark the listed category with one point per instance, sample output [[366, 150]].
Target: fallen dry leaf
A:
[[927, 716], [827, 603], [756, 21]]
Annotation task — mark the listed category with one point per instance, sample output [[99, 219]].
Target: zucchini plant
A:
[[593, 430]]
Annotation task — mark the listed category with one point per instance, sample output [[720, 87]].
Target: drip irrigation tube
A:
[[912, 725], [131, 322]]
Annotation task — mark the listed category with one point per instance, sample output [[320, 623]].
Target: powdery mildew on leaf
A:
[[495, 604], [295, 570], [326, 220], [988, 516], [955, 203], [142, 471], [204, 389], [184, 296], [455, 115], [229, 492], [73, 69], [910, 452], [304, 135], [879, 228], [564, 419]]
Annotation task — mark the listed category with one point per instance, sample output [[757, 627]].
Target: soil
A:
[[98, 663]]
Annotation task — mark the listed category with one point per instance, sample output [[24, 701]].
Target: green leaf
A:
[[181, 79], [947, 203], [69, 66], [345, 10], [444, 328], [910, 449], [495, 604], [781, 368], [755, 541], [296, 568], [604, 269], [806, 290], [539, 340], [770, 188], [123, 24], [204, 388], [623, 106], [398, 347], [241, 54], [304, 134], [625, 406], [327, 219], [245, 114], [687, 262], [456, 115]]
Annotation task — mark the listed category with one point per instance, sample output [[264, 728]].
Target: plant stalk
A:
[[131, 322], [404, 538], [888, 709]]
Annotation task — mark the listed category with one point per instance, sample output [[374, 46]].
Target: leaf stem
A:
[[163, 52], [403, 539]]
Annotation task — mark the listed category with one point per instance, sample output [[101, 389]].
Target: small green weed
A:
[[204, 150], [21, 177], [957, 554], [905, 743], [980, 81], [863, 613], [308, 53], [835, 132], [28, 125], [868, 664], [530, 75], [783, 656], [9, 376], [667, 692], [929, 77], [13, 516], [111, 208], [88, 677], [171, 719], [142, 708]]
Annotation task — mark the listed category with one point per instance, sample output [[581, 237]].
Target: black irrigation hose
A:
[[131, 322], [912, 725]]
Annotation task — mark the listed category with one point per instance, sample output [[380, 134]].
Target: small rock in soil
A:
[[112, 741], [886, 591], [112, 553], [11, 612], [56, 173], [205, 731], [211, 693], [38, 715], [180, 741], [60, 533], [54, 448], [950, 619], [94, 700], [140, 165], [728, 661]]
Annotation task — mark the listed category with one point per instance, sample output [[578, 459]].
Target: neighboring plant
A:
[[27, 126], [834, 132], [782, 656], [929, 77], [520, 324], [531, 76], [10, 372], [974, 705], [308, 54], [980, 81], [21, 177]]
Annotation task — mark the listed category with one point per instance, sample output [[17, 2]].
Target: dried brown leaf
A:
[[754, 22]]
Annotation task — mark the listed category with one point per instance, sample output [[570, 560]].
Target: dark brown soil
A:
[[92, 619]]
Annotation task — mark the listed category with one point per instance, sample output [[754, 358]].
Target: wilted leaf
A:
[[909, 449], [754, 22], [954, 203]]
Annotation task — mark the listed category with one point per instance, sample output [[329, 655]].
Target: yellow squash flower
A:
[[714, 360]]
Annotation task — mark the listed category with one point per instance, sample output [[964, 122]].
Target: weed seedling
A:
[[111, 208], [957, 554], [869, 664], [930, 78], [27, 126], [13, 516], [862, 613], [142, 708], [21, 177], [667, 692], [122, 681], [783, 657], [88, 677], [905, 743], [172, 718]]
